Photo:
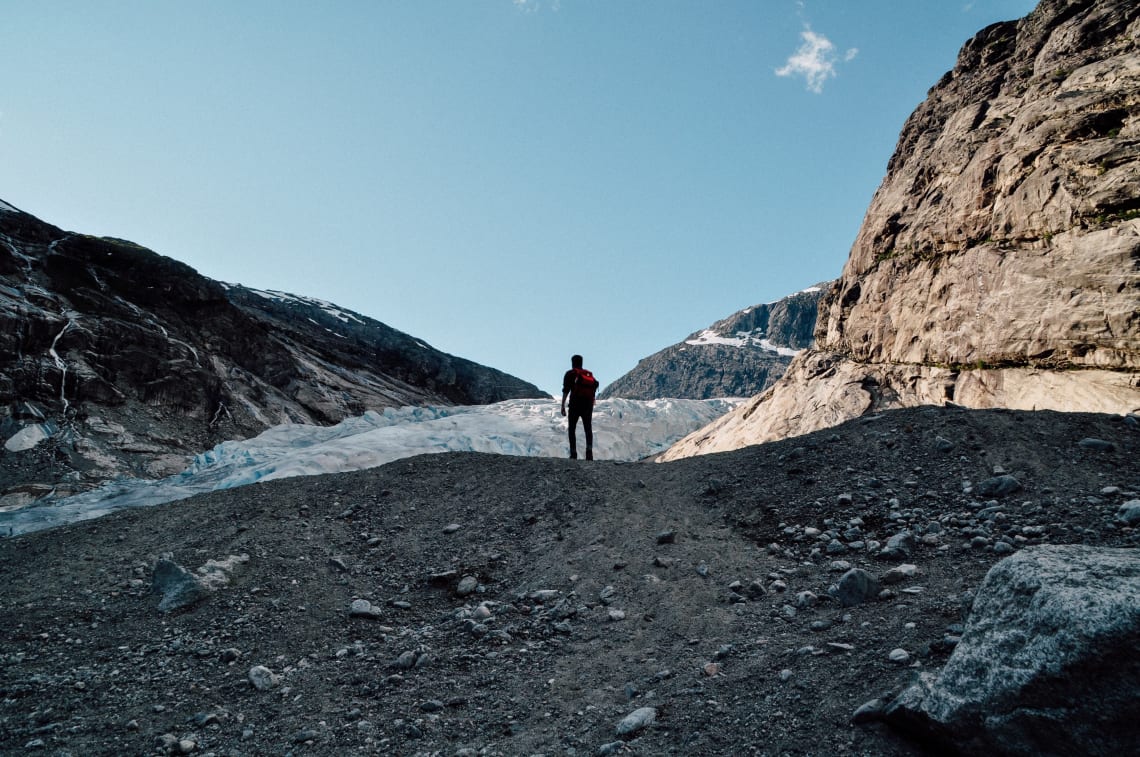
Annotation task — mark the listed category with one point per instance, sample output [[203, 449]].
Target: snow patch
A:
[[742, 339], [336, 312], [7, 208]]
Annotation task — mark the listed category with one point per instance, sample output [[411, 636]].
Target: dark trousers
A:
[[586, 414]]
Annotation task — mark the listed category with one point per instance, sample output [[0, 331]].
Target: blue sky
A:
[[511, 181]]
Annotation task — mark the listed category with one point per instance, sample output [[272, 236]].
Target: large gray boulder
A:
[[1049, 662]]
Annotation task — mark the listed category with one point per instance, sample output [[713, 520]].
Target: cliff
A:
[[998, 264]]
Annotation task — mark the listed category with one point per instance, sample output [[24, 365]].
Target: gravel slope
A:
[[698, 588]]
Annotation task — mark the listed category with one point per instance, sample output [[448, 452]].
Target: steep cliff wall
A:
[[998, 264]]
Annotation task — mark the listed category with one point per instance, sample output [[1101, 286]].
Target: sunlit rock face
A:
[[998, 264]]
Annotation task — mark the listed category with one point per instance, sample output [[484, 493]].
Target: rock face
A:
[[1047, 663], [999, 262], [738, 356], [115, 360]]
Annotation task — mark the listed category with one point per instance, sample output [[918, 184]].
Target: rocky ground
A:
[[466, 604]]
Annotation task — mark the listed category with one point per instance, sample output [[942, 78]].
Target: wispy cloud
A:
[[815, 60], [533, 6]]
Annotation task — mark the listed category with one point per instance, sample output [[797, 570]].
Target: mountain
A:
[[115, 360], [738, 356], [998, 264]]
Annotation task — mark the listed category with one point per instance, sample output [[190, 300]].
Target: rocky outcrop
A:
[[115, 360], [1047, 663], [738, 356], [999, 262]]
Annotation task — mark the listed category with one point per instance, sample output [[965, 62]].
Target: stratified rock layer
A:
[[998, 264]]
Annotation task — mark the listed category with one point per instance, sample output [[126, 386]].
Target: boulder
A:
[[1049, 662]]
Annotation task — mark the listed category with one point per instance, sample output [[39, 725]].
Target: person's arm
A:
[[564, 393]]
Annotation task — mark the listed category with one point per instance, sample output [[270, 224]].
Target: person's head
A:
[[576, 361]]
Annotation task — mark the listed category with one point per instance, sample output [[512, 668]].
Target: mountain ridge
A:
[[737, 356], [116, 360]]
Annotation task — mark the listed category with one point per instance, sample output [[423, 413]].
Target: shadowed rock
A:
[[1047, 664]]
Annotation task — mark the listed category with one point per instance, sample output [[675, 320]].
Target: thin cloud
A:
[[814, 60], [533, 6]]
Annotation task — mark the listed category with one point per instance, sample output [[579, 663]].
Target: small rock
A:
[[899, 574], [900, 656], [467, 585], [362, 608], [755, 590], [1099, 445], [451, 528], [667, 537], [786, 675], [544, 595], [898, 546], [869, 712], [855, 587], [806, 599], [263, 678], [636, 720], [1128, 514], [998, 486]]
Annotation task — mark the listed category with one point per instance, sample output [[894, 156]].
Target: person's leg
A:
[[573, 416], [588, 427]]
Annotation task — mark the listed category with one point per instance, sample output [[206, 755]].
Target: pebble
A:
[[467, 585], [869, 712], [900, 656], [806, 599], [544, 595], [263, 678], [899, 573], [636, 720], [362, 608], [898, 546], [1128, 514], [786, 675], [855, 587], [998, 486], [1099, 445], [451, 528]]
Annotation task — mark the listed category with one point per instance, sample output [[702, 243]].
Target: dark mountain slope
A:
[[738, 356], [114, 359]]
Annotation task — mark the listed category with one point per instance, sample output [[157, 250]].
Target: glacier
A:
[[624, 430]]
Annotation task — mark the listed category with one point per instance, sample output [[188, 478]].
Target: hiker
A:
[[580, 385]]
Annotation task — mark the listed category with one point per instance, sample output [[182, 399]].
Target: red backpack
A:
[[585, 385]]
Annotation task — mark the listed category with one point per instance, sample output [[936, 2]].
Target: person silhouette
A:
[[580, 386]]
